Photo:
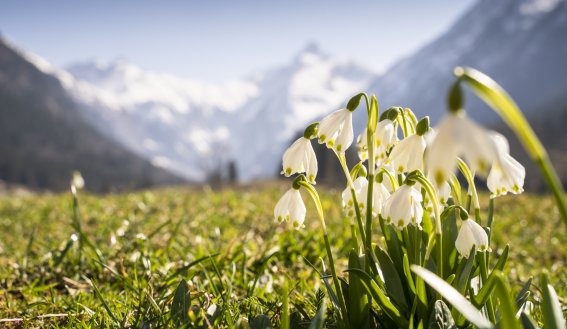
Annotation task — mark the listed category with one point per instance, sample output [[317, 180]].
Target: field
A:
[[120, 263]]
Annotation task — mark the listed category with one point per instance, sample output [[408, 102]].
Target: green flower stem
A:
[[438, 236], [490, 218], [315, 196], [369, 200], [391, 177], [472, 188], [354, 237], [403, 122], [499, 100], [483, 260], [342, 161]]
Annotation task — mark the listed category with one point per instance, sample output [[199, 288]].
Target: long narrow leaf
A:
[[507, 307], [458, 301], [552, 316]]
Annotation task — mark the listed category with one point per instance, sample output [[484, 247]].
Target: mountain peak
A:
[[310, 53]]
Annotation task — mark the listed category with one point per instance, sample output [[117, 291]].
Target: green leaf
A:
[[458, 301], [507, 308], [392, 281], [384, 302], [527, 321], [180, 304], [523, 295], [358, 306], [441, 317], [465, 273], [485, 292], [260, 321], [502, 260], [552, 316], [319, 320]]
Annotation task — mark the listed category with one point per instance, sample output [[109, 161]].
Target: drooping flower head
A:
[[457, 135], [403, 207], [407, 156], [507, 174], [335, 130], [300, 157], [361, 189], [291, 208], [385, 139], [471, 234]]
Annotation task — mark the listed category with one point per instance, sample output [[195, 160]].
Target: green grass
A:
[[237, 262]]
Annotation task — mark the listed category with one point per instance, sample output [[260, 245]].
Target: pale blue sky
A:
[[217, 40]]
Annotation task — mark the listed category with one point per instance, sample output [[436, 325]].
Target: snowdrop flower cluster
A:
[[420, 150], [409, 184]]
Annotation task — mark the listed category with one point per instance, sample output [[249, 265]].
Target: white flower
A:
[[457, 135], [361, 189], [403, 207], [407, 156], [385, 138], [471, 234], [300, 157], [379, 196], [291, 207], [507, 174], [335, 130]]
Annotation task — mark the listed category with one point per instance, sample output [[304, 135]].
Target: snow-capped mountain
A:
[[43, 138], [190, 127], [195, 128], [522, 44]]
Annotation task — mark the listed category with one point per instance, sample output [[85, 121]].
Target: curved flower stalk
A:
[[300, 158], [457, 135], [507, 174], [471, 234], [335, 130], [404, 207], [291, 208]]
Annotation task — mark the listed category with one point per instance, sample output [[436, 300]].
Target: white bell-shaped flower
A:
[[471, 234], [385, 138], [407, 156], [457, 135], [380, 193], [291, 208], [403, 207], [361, 189], [300, 157], [507, 174], [335, 130]]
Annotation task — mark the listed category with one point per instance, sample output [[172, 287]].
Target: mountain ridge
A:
[[43, 138]]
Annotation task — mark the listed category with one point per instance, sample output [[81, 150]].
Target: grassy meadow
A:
[[241, 268]]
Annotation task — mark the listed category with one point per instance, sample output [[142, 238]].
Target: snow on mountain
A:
[[191, 127], [522, 44]]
